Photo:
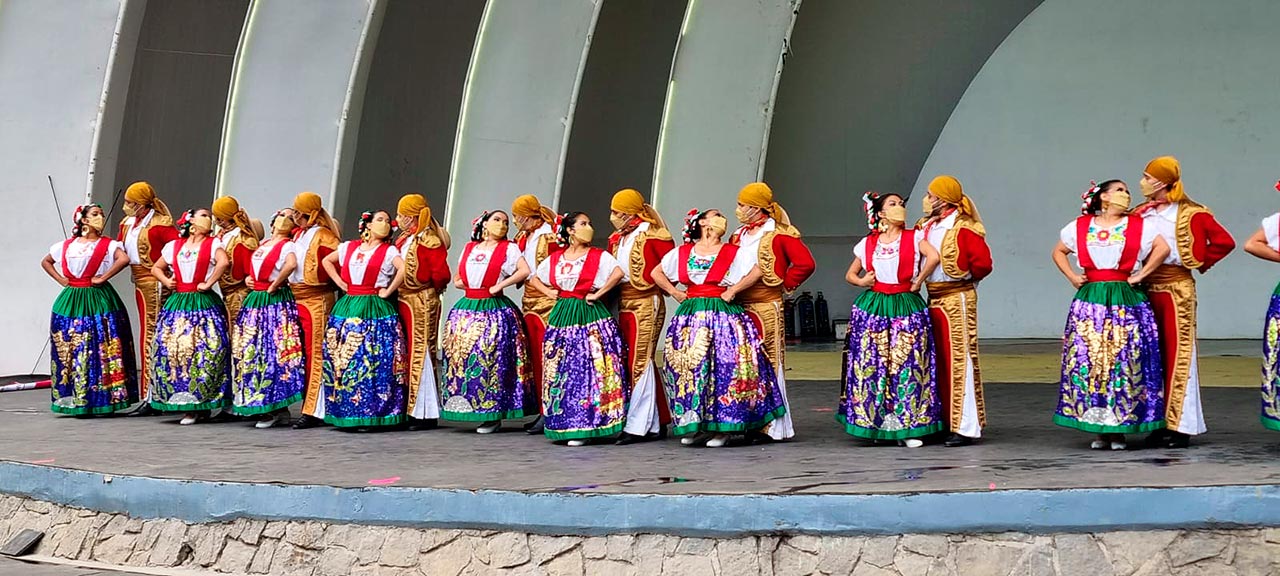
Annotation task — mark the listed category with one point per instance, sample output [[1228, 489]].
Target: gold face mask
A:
[[496, 229], [584, 233], [716, 225], [201, 224], [746, 215], [97, 222], [379, 230], [1120, 200], [282, 226], [619, 222], [896, 214], [1148, 189]]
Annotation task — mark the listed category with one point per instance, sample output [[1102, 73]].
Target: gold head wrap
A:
[[630, 202], [759, 195], [416, 205], [1166, 169], [309, 203], [948, 189], [143, 194], [527, 206], [227, 208]]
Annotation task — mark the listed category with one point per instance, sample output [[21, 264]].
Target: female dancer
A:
[[268, 366], [1265, 244], [585, 384], [365, 358], [487, 374], [718, 377], [191, 369], [890, 391], [94, 371], [1112, 380]]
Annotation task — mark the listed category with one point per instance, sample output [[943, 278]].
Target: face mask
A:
[[131, 209], [926, 204], [745, 215], [896, 214], [96, 222], [1148, 190], [496, 229], [379, 229], [202, 223], [716, 225], [619, 222], [282, 226], [1120, 200], [584, 233]]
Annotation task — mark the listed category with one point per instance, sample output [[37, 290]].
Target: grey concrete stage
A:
[[1022, 450]]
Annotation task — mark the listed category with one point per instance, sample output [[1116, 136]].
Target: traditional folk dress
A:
[[268, 366], [426, 275], [315, 295], [240, 248], [94, 370], [191, 369], [143, 241], [785, 263], [642, 309], [487, 373], [585, 381], [1271, 339], [953, 313], [1196, 241], [365, 359], [890, 388], [718, 375], [1112, 380], [537, 246]]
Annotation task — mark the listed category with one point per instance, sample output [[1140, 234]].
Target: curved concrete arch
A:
[[294, 104], [1079, 92], [61, 104]]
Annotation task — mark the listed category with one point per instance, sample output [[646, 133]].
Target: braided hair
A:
[[563, 223]]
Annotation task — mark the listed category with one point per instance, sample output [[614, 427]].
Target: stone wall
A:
[[316, 549]]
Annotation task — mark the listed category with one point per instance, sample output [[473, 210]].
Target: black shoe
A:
[[416, 424], [662, 432], [759, 437], [1178, 440], [1157, 439], [534, 427], [144, 410], [955, 440], [625, 439], [307, 421]]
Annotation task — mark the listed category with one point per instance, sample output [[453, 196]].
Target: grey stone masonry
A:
[[317, 549]]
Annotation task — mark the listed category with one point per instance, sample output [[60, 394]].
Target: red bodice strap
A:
[[585, 280], [203, 259], [263, 276], [1128, 256], [710, 287], [366, 287], [85, 279], [906, 263], [492, 272]]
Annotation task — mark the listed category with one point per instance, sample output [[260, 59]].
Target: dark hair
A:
[[875, 204], [184, 223], [366, 218], [477, 225], [1095, 202], [695, 226], [78, 217], [567, 221]]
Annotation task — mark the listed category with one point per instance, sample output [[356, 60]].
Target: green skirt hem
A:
[[163, 407], [873, 434], [192, 301], [576, 312], [483, 416], [364, 307], [585, 434], [96, 410], [363, 422], [730, 428], [485, 304], [1110, 294], [1270, 424], [255, 410], [1100, 429], [890, 305], [705, 304]]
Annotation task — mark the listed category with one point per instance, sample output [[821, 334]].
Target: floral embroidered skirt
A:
[[191, 360], [890, 391], [94, 371], [585, 384], [366, 364], [1112, 377], [487, 374], [1271, 364], [268, 368], [717, 376]]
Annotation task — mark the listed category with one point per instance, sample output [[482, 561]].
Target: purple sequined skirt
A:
[[585, 382], [366, 364], [487, 374], [268, 367]]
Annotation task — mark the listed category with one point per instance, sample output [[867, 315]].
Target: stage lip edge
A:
[[708, 515]]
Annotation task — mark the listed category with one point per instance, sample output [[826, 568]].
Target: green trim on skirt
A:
[[78, 302], [1101, 429], [1110, 294], [877, 434], [161, 406], [103, 409], [584, 434], [890, 305], [707, 304], [485, 304], [365, 422], [260, 298], [576, 312], [193, 301], [366, 307]]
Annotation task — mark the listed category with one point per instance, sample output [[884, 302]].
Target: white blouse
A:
[[177, 253], [260, 257], [568, 271], [700, 266], [478, 263], [531, 244], [131, 237], [625, 245], [885, 259], [78, 255], [360, 261], [1270, 226], [1163, 221], [749, 240], [1107, 244]]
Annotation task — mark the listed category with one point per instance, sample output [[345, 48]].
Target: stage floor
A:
[[1022, 450]]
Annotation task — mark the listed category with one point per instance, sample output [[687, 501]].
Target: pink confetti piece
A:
[[384, 481], [824, 409], [991, 486], [48, 461]]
